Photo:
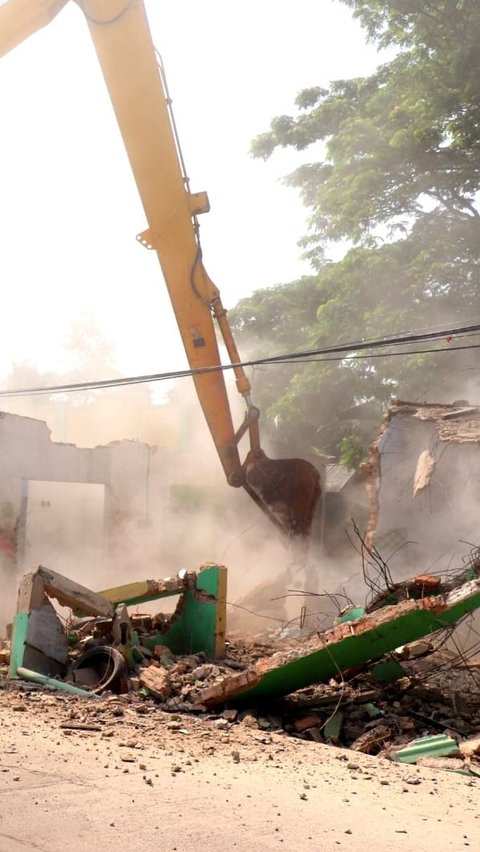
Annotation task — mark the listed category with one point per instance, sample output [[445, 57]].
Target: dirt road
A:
[[147, 780]]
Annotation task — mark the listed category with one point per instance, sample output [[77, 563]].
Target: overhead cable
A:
[[343, 352]]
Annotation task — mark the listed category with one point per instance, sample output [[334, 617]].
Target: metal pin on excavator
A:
[[287, 490]]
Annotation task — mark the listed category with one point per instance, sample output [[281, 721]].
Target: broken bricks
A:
[[42, 652], [373, 713], [345, 646], [157, 681], [306, 723]]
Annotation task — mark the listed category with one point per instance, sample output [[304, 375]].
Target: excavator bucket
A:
[[287, 490]]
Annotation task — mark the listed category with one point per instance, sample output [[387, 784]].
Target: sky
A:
[[69, 210]]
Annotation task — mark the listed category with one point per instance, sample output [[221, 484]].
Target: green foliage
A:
[[352, 451], [397, 182], [409, 132]]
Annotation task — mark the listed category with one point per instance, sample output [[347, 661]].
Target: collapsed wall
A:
[[132, 477], [423, 477]]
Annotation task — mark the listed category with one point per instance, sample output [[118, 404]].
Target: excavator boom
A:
[[20, 19], [286, 489]]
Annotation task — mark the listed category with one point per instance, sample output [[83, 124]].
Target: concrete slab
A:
[[345, 646]]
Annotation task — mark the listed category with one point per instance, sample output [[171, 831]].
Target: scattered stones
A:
[[230, 715], [375, 718], [248, 719]]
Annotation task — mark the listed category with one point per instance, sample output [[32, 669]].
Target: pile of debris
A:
[[380, 680], [420, 705]]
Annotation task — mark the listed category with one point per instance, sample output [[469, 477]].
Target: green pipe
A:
[[44, 680]]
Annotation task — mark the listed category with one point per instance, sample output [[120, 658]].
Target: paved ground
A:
[[156, 783]]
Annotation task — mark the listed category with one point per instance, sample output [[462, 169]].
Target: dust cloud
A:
[[179, 512], [183, 514]]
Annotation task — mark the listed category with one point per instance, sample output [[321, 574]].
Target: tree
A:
[[395, 179], [92, 355]]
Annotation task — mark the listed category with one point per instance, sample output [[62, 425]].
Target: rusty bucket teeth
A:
[[288, 490]]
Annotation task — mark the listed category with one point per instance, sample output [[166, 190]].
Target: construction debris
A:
[[423, 463], [95, 650], [346, 646], [379, 681], [157, 681], [436, 746], [442, 703]]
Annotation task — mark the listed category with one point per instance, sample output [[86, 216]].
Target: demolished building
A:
[[345, 498], [99, 512], [111, 511], [357, 684], [363, 682], [118, 485], [423, 482]]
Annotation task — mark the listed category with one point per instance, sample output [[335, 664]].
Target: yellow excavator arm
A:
[[287, 489], [19, 19]]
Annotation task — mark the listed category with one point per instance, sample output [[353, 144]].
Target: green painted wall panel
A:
[[357, 649]]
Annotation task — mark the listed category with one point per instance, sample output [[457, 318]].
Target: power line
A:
[[357, 346], [344, 352], [382, 355]]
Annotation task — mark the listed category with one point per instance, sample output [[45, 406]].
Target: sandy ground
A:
[[148, 780]]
